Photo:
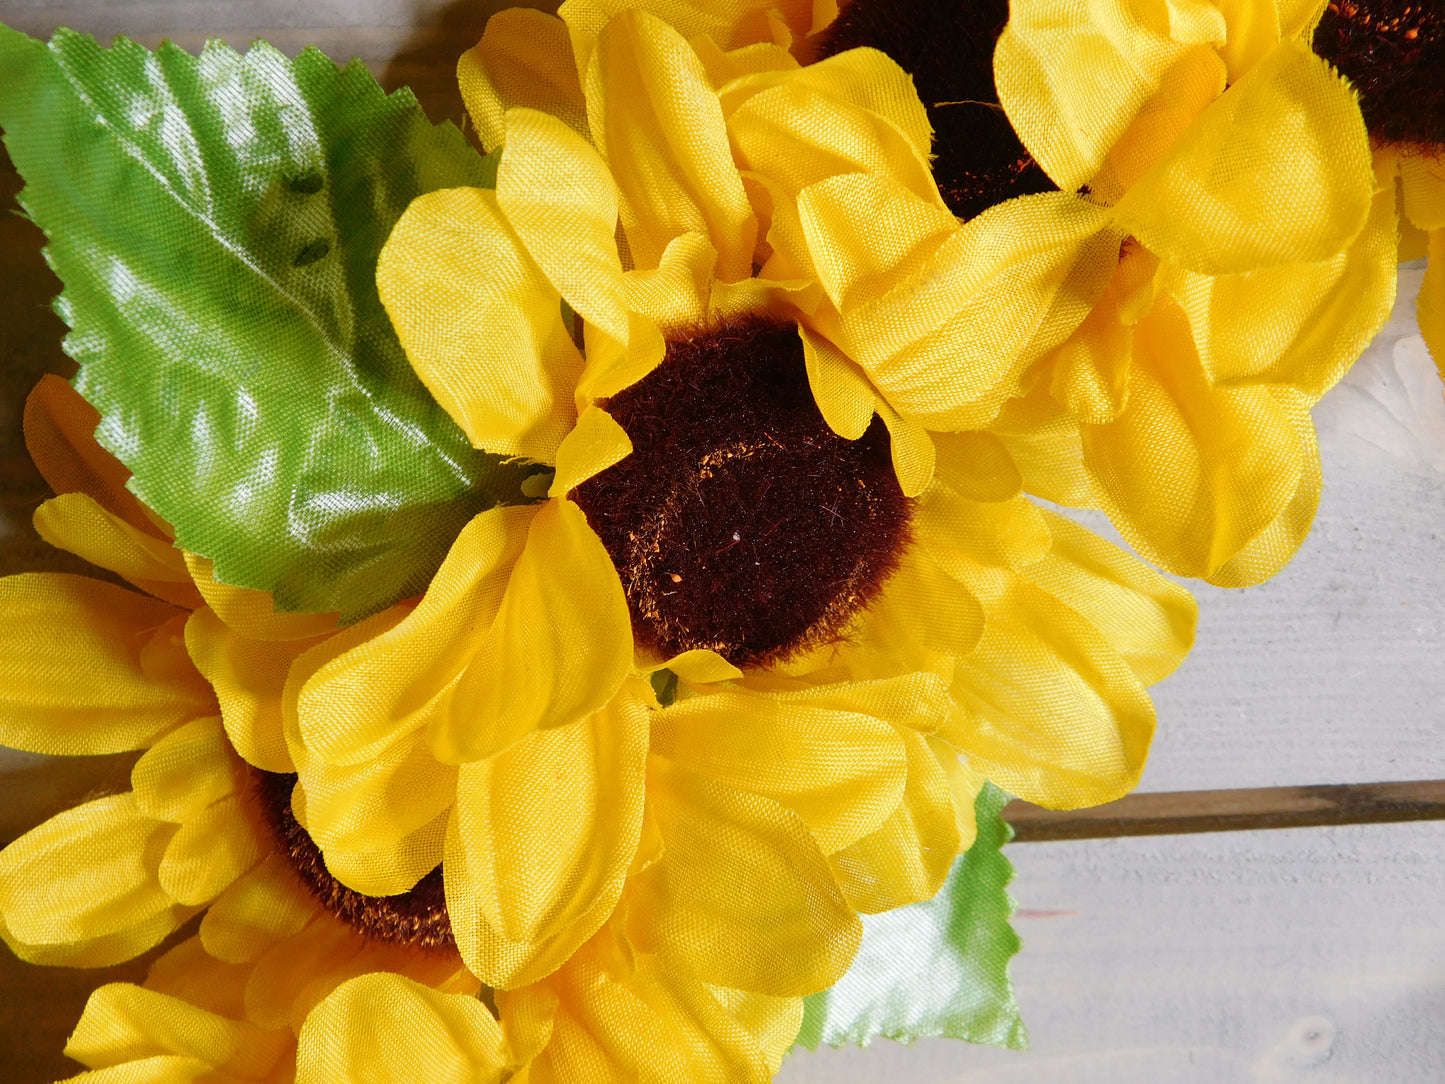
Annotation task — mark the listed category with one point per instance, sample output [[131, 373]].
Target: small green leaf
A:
[[216, 221], [937, 969]]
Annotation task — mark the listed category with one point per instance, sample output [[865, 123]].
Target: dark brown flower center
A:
[[1393, 51], [741, 522], [947, 46], [418, 917]]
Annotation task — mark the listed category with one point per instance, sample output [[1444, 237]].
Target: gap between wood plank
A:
[[1179, 812]]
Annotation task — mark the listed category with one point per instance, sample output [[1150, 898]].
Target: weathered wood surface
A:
[[411, 43], [1239, 810], [1312, 954]]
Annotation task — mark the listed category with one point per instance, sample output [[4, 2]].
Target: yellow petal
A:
[[1297, 17], [732, 24], [594, 445], [921, 621], [561, 202], [287, 975], [1193, 473], [136, 687], [79, 524], [723, 67], [856, 112], [60, 436], [86, 873], [541, 841], [391, 868], [1298, 324], [209, 852], [1051, 712], [557, 651], [783, 246], [677, 292], [1253, 29], [865, 79], [524, 59], [1134, 67], [911, 447], [186, 771], [480, 322], [612, 366], [842, 392], [262, 908], [841, 771], [1414, 243], [1422, 190], [657, 121], [965, 781], [908, 857], [104, 951], [295, 976], [253, 613], [1091, 369], [944, 319], [780, 927], [1267, 551], [352, 1035], [610, 1019], [159, 1069], [355, 699], [697, 666], [1277, 170], [378, 801], [1144, 617], [867, 235], [960, 532], [248, 677], [187, 972], [1045, 442], [1430, 305], [977, 466], [122, 1023]]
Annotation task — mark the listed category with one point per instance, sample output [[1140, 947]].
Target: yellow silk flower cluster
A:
[[1005, 633], [277, 984], [109, 879], [1259, 263], [648, 885]]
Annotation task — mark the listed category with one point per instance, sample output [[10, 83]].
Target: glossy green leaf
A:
[[216, 221], [937, 969]]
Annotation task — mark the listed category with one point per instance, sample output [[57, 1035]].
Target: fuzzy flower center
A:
[[741, 522], [1393, 51], [947, 46], [417, 918]]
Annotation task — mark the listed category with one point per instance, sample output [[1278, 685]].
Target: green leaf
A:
[[216, 221], [937, 969]]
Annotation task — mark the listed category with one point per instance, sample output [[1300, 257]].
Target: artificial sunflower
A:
[[835, 618], [1252, 260], [1393, 53], [285, 953], [201, 827]]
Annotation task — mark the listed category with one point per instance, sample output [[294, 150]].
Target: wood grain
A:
[[1308, 957], [1184, 812], [411, 43]]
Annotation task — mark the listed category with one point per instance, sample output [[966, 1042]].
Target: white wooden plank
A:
[[1331, 672], [404, 42], [1308, 955]]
